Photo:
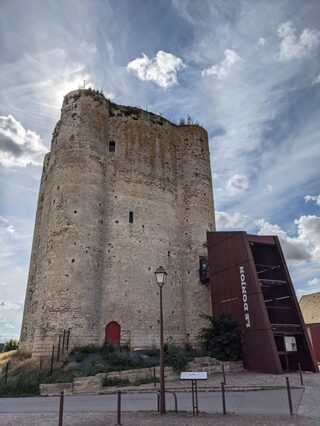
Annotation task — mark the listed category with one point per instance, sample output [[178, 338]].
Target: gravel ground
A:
[[148, 419]]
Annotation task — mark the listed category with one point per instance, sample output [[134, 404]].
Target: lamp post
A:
[[161, 276]]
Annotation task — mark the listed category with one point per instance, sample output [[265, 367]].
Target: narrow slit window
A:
[[112, 146], [130, 217]]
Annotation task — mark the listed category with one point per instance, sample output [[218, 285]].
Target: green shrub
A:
[[175, 358], [89, 349], [188, 347], [58, 376], [20, 385], [145, 381], [152, 352], [222, 339], [115, 381], [92, 370], [10, 345]]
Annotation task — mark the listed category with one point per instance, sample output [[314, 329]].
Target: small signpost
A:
[[194, 376]]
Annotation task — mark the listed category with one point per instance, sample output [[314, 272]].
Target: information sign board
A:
[[194, 375]]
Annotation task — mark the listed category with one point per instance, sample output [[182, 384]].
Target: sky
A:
[[246, 70]]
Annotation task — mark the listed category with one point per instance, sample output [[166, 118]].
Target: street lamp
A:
[[161, 276]]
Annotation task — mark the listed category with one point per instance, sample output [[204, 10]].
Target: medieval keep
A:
[[122, 192]]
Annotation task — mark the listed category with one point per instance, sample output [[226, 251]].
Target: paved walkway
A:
[[259, 402], [153, 419], [270, 407]]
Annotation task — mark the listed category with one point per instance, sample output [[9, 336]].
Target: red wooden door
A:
[[113, 333]]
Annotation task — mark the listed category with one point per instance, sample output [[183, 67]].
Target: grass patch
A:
[[175, 357], [115, 381], [145, 381]]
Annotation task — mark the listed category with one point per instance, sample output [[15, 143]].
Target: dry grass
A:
[[17, 362]]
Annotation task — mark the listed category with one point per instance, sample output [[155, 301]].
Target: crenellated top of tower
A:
[[116, 110]]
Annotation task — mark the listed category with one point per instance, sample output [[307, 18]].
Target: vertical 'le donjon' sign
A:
[[244, 297]]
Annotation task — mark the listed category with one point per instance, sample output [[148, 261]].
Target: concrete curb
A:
[[200, 389]]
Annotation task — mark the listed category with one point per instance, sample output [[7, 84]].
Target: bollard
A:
[[223, 399], [154, 377], [223, 375], [289, 396], [63, 340], [61, 408], [58, 353], [6, 373], [68, 338], [196, 396], [119, 409], [40, 367], [300, 372], [52, 356]]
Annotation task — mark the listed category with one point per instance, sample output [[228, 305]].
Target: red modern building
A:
[[250, 281]]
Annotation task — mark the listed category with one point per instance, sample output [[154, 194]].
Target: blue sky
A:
[[248, 71]]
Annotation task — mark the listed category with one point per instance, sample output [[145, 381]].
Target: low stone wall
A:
[[212, 365], [53, 389], [93, 384], [88, 385]]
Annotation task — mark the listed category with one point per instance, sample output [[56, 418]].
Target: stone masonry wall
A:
[[89, 264]]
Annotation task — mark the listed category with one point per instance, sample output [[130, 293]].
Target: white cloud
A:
[[19, 147], [5, 224], [161, 70], [11, 229], [314, 281], [237, 183], [315, 198], [293, 47], [309, 233], [8, 325], [261, 42], [231, 221], [6, 306], [305, 246], [294, 250], [221, 71], [316, 80]]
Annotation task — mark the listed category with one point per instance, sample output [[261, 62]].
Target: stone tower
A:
[[122, 192]]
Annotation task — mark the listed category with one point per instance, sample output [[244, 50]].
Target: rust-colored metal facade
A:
[[250, 281]]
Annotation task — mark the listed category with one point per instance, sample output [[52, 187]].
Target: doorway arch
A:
[[113, 331]]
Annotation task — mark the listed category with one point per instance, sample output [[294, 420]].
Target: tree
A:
[[10, 345], [222, 339]]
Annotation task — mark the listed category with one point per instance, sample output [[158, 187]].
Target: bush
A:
[[122, 361], [222, 339], [152, 352], [145, 381], [10, 345], [20, 385], [58, 376], [85, 350], [92, 370], [115, 381], [175, 357]]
